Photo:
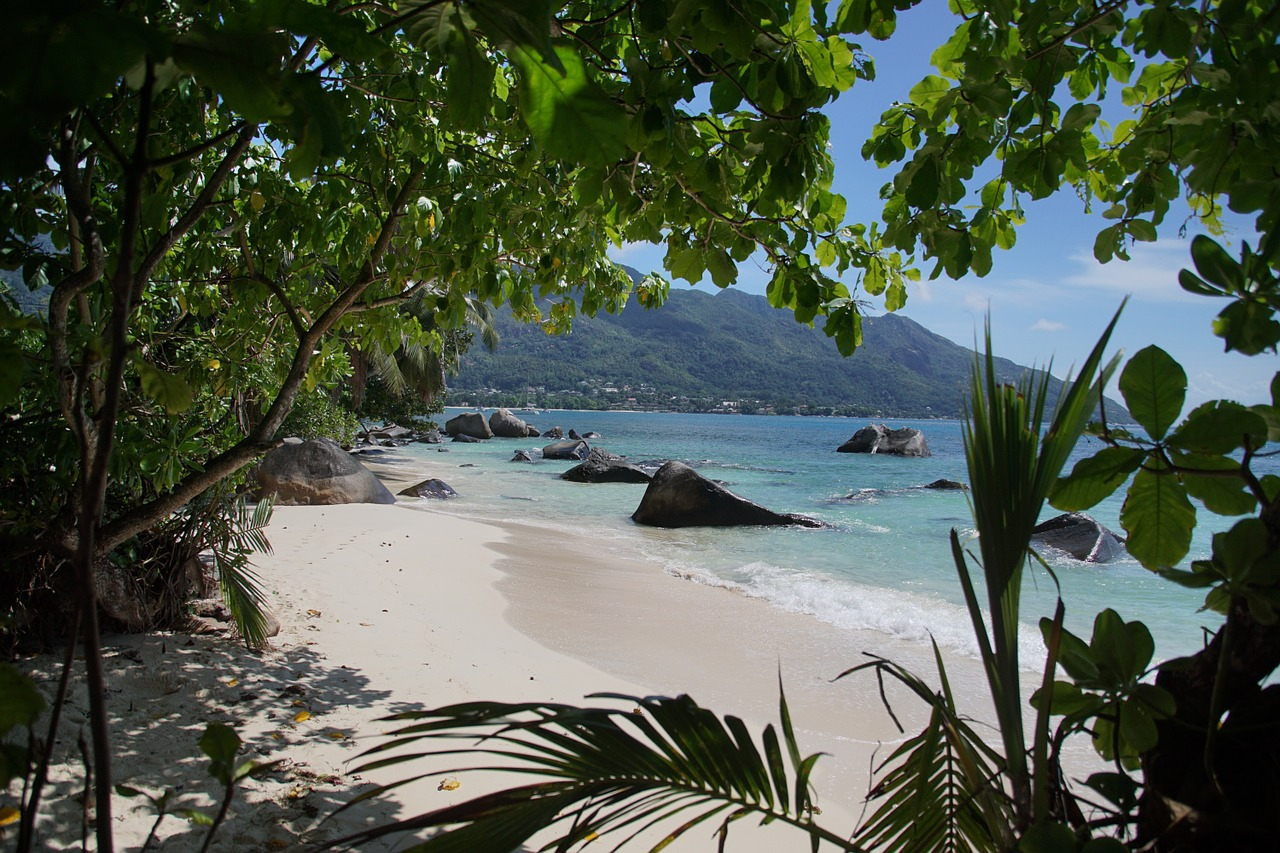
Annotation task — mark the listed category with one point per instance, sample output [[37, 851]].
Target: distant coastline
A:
[[490, 399]]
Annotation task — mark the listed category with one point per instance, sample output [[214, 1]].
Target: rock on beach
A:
[[318, 471]]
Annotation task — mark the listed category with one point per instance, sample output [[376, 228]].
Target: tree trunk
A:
[[1213, 781]]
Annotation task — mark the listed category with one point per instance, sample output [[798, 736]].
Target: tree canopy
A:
[[229, 198]]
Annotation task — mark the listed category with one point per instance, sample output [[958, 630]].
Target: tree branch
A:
[[94, 263], [400, 298], [197, 150], [165, 244], [1103, 11], [262, 437]]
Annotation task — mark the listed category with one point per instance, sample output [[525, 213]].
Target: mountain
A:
[[728, 351], [16, 293]]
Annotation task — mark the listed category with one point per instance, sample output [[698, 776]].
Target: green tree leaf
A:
[[1271, 416], [1095, 477], [1154, 388], [1158, 518], [930, 91], [1215, 265], [724, 271], [1137, 728], [1123, 650], [1248, 326], [343, 34], [242, 66], [1222, 494], [688, 264], [1219, 427], [470, 83], [520, 25], [1142, 230], [923, 189], [567, 113], [221, 744], [170, 391]]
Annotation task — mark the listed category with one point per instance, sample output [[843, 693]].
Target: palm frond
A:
[[245, 533], [939, 790], [480, 315], [617, 771], [423, 370], [386, 367]]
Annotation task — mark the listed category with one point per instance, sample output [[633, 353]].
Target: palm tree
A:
[[412, 368]]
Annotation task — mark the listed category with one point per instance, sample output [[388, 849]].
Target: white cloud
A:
[[1219, 385], [976, 300], [1150, 274], [1043, 325], [629, 250], [920, 291]]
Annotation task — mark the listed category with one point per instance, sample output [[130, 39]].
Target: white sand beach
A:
[[392, 608]]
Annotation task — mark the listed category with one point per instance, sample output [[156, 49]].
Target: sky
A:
[[1048, 298]]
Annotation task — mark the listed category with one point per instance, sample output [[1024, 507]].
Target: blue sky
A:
[[1047, 297]]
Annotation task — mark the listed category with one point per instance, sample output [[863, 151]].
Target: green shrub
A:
[[316, 416]]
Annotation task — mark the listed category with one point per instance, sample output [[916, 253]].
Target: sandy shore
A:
[[392, 608]]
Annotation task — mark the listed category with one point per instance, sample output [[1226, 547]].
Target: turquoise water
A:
[[885, 563]]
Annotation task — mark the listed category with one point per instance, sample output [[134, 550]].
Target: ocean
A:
[[884, 564]]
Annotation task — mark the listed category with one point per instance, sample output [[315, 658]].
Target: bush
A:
[[314, 415]]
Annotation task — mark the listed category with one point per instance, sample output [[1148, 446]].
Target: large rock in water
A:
[[679, 496], [506, 425], [878, 438], [318, 472], [468, 423], [601, 466], [433, 488], [1081, 536], [947, 486], [566, 450]]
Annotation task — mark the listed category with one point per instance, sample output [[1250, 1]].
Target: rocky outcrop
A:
[[678, 496], [212, 616], [555, 432], [433, 488], [947, 486], [878, 438], [503, 424], [467, 439], [468, 423], [1080, 535], [522, 456], [573, 434], [601, 466], [318, 472], [566, 450], [390, 431]]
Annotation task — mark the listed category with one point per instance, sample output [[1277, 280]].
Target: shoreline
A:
[[388, 608], [628, 618]]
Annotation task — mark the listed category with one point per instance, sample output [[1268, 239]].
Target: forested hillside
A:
[[723, 351]]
